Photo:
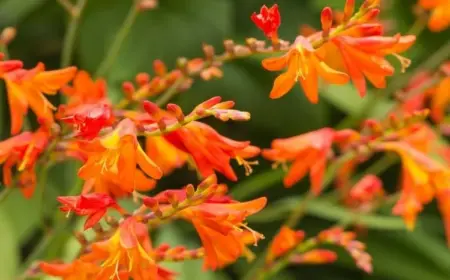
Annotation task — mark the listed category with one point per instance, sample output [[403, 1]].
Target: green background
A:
[[178, 28]]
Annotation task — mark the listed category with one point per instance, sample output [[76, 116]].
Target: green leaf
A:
[[348, 100], [165, 33], [9, 254], [12, 11], [187, 270], [327, 210], [406, 256]]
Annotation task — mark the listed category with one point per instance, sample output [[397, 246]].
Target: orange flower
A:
[[317, 256], [113, 158], [440, 13], [284, 241], [422, 179], [305, 66], [210, 150], [128, 251], [23, 151], [364, 57], [164, 154], [8, 65], [220, 227], [25, 88], [440, 99], [366, 191], [308, 152], [85, 91], [77, 270]]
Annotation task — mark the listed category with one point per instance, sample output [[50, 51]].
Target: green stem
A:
[[114, 49], [71, 33], [170, 92]]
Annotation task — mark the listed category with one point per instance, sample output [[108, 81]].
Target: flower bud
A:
[[159, 67], [8, 34], [326, 18], [142, 79]]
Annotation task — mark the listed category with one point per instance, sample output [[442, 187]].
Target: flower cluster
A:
[[125, 148]]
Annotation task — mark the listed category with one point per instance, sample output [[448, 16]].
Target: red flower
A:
[[93, 205], [268, 20], [90, 119]]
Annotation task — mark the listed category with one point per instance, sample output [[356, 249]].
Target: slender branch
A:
[[170, 93], [114, 49], [71, 32]]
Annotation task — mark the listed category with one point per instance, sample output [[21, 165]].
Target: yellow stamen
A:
[[404, 62], [247, 165]]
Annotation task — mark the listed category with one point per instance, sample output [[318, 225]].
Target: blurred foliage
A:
[[178, 28]]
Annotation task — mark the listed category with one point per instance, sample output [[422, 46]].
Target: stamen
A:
[[247, 165], [404, 62]]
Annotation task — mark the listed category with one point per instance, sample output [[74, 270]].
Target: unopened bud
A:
[[370, 15], [176, 111], [349, 9], [145, 5], [159, 67], [252, 44], [326, 18], [151, 108], [229, 47], [208, 182], [128, 89], [209, 52], [142, 79], [182, 63], [172, 198], [8, 34], [190, 191]]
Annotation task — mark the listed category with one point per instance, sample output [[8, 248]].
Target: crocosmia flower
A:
[[77, 270], [22, 151], [365, 57], [92, 205], [26, 87], [128, 253], [268, 20], [440, 14], [308, 152], [220, 226], [283, 242], [303, 66], [422, 180], [88, 121], [210, 150], [114, 158]]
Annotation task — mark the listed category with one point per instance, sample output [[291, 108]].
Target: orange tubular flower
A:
[[128, 252], [111, 166], [364, 57], [308, 152], [84, 91], [164, 154], [76, 270], [210, 150], [25, 88], [305, 66], [23, 151], [285, 240], [220, 226], [422, 179], [440, 99], [440, 14]]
